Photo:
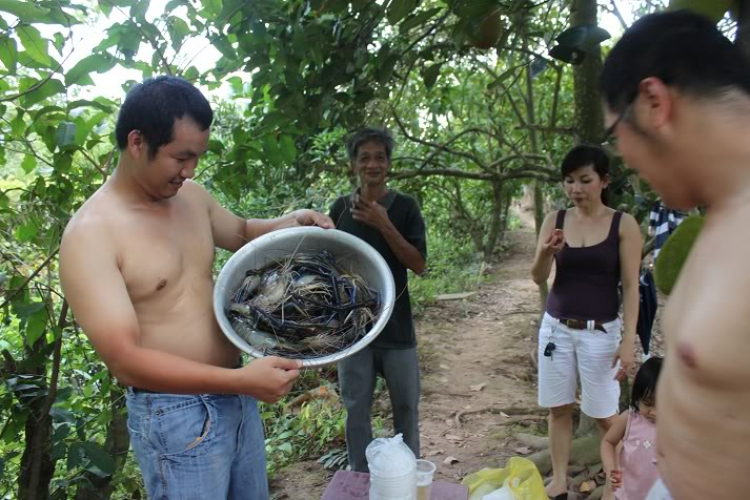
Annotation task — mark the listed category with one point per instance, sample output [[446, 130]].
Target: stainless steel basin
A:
[[351, 252]]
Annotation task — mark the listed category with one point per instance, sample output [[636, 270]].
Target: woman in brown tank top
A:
[[594, 249]]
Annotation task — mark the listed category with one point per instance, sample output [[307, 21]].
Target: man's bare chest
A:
[[160, 256]]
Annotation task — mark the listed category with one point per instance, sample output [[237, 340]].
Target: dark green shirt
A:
[[406, 217]]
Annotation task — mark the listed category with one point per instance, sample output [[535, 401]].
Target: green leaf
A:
[[9, 53], [99, 458], [26, 310], [212, 6], [25, 11], [431, 74], [62, 415], [385, 69], [66, 134], [138, 10], [93, 104], [100, 63], [35, 326], [399, 9], [42, 92], [222, 45], [288, 149], [28, 164], [178, 30], [417, 19], [35, 45], [27, 230], [59, 42]]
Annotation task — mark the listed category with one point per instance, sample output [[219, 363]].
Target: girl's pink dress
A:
[[637, 458]]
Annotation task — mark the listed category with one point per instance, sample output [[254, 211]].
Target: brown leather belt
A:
[[582, 324]]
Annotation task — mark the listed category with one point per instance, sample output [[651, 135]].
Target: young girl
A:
[[635, 431]]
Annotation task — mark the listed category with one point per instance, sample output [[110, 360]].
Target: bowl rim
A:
[[387, 295]]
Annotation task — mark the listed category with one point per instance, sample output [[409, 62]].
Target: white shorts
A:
[[659, 492], [588, 353]]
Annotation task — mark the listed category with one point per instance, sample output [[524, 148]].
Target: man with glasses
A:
[[678, 101]]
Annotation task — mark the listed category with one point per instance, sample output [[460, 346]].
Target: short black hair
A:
[[585, 155], [153, 106], [368, 134], [683, 49], [644, 385]]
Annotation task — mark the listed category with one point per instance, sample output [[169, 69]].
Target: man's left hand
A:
[[371, 213], [312, 218]]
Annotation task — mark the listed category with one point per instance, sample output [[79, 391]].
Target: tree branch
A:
[[31, 277], [442, 147]]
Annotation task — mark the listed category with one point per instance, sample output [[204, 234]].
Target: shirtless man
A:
[[136, 267], [678, 102]]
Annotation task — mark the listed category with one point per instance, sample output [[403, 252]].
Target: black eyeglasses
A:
[[610, 140]]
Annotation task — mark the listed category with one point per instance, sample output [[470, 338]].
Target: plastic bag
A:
[[504, 493], [520, 476], [393, 469]]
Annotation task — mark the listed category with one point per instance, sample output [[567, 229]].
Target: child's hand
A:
[[614, 479]]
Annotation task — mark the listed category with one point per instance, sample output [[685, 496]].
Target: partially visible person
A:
[[632, 472], [595, 248], [677, 97], [136, 266], [662, 222], [392, 223]]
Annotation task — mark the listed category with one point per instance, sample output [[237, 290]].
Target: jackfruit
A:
[[675, 252]]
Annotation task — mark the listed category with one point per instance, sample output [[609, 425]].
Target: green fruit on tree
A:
[[713, 9], [675, 252]]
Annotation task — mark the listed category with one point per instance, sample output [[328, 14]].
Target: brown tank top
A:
[[587, 278]]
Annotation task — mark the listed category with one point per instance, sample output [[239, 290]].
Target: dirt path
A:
[[477, 375]]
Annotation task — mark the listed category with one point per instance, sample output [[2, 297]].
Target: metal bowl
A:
[[350, 252]]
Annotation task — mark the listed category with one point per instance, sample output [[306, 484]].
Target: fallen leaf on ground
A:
[[453, 437], [444, 367], [503, 414], [450, 460], [478, 387], [434, 453], [587, 486], [523, 450]]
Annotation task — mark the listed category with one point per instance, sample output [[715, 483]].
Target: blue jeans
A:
[[198, 447]]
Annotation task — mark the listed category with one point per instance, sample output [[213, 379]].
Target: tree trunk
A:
[[743, 27], [494, 233], [588, 101], [534, 146], [37, 462], [118, 441], [588, 110]]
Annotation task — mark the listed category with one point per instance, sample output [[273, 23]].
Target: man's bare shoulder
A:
[[195, 193], [92, 219]]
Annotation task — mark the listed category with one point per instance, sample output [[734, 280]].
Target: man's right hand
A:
[[270, 378], [554, 243]]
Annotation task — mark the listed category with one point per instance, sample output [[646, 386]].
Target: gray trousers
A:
[[400, 369]]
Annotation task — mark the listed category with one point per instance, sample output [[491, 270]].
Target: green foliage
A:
[[675, 252], [713, 9]]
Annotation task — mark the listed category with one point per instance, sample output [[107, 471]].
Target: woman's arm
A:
[[631, 246], [550, 242]]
